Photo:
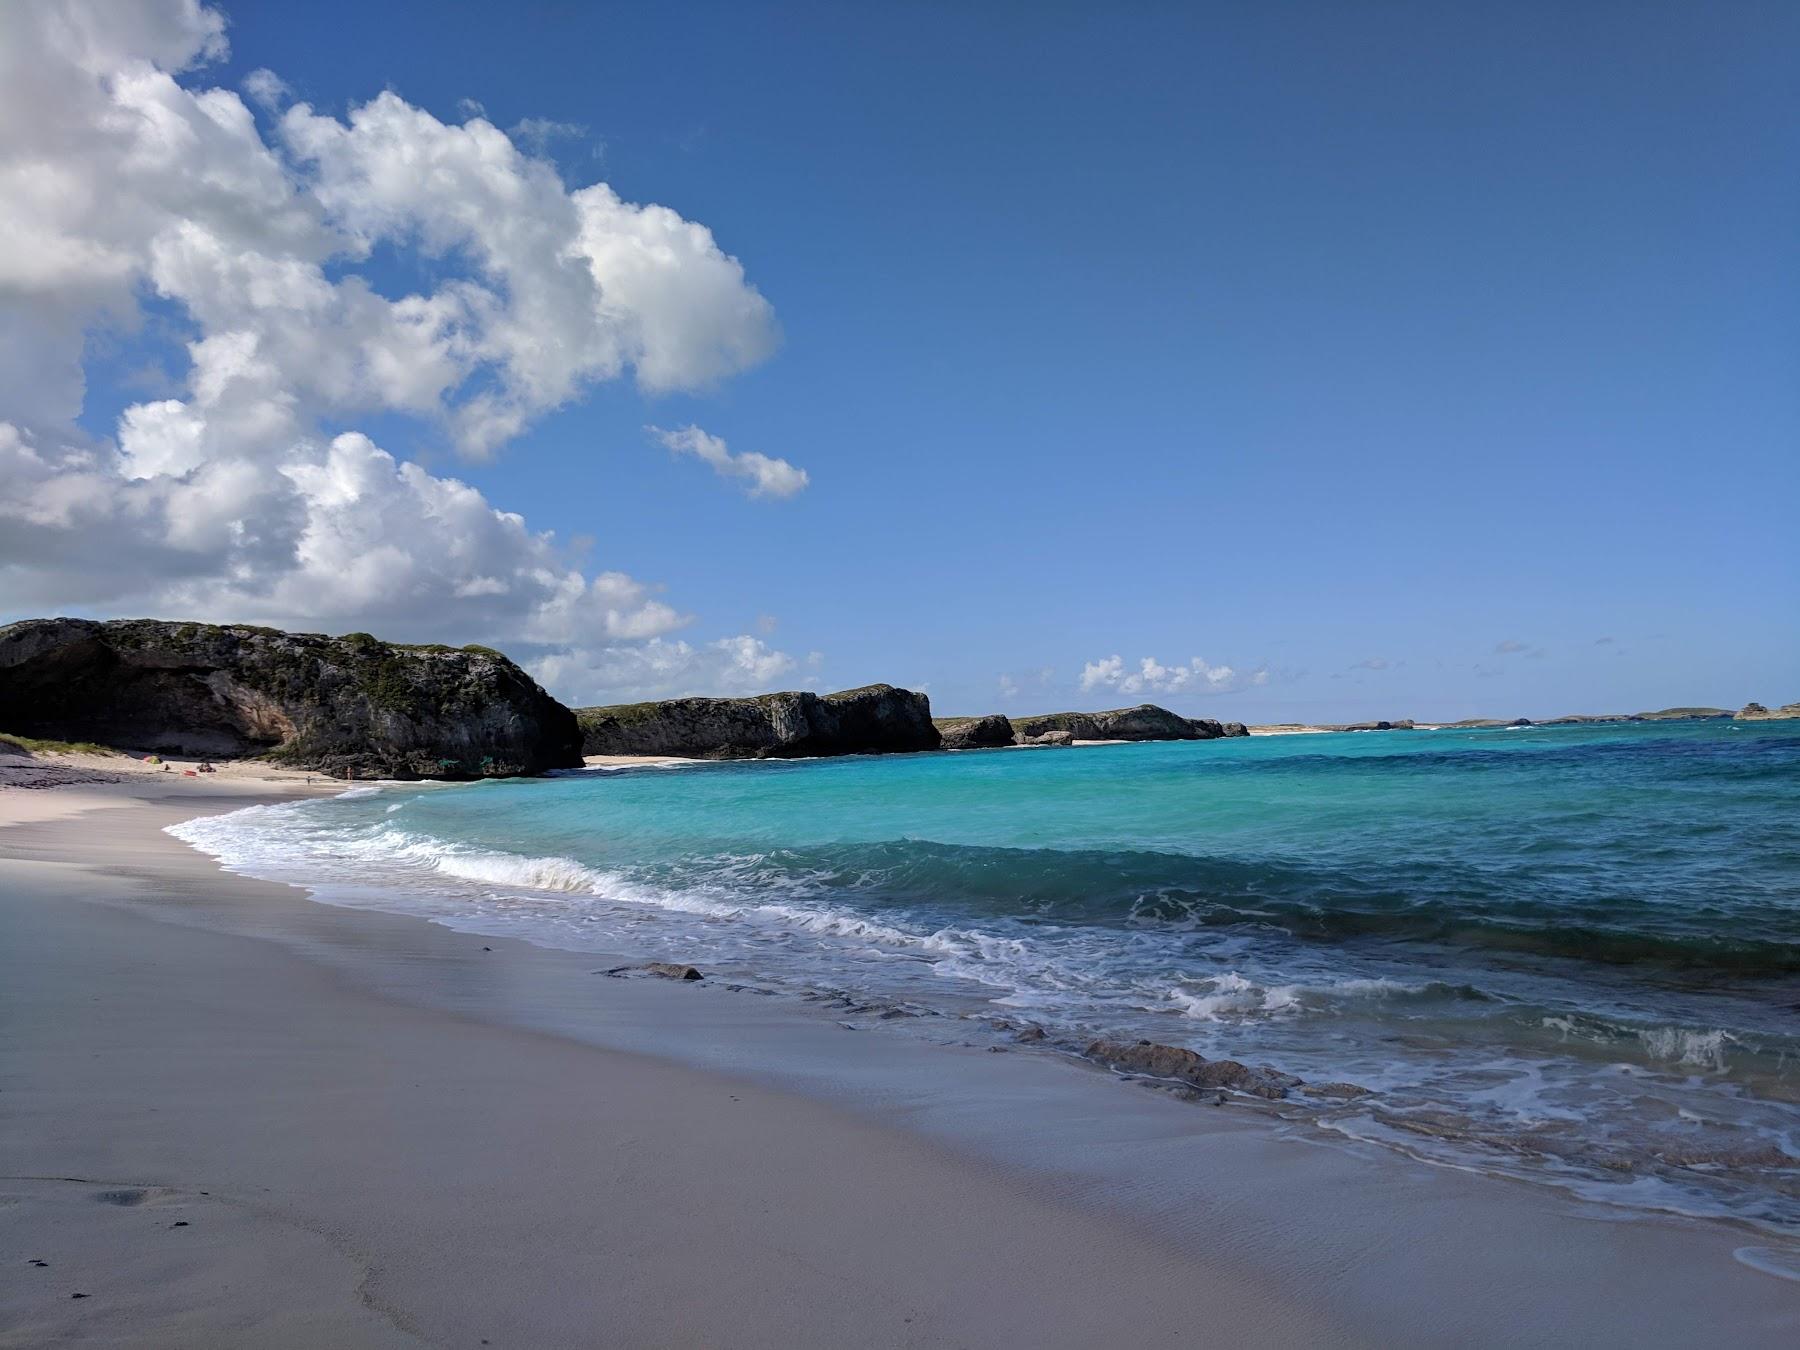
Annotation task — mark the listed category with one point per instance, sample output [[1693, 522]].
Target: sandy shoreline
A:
[[381, 1132], [347, 1170]]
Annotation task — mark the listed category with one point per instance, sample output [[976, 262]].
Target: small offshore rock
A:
[[1031, 1035], [669, 970], [1433, 1124]]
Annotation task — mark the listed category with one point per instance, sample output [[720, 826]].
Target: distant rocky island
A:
[[1755, 712], [1750, 713], [1597, 719]]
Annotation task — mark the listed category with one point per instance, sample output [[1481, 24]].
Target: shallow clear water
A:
[[1570, 953]]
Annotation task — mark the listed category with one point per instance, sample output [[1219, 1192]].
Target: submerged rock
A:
[[667, 970], [347, 706], [1170, 1061], [973, 733], [875, 719]]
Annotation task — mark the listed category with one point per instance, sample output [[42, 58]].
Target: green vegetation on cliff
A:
[[34, 745]]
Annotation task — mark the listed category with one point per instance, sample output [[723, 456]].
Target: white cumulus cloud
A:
[[247, 494], [664, 668], [765, 477], [1150, 675]]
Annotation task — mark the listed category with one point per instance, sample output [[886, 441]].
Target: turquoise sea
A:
[[1570, 954]]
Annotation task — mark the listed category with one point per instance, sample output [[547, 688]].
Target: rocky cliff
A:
[[974, 733], [346, 706], [876, 719], [1211, 730], [1146, 722]]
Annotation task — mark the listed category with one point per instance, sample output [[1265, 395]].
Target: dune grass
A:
[[34, 746]]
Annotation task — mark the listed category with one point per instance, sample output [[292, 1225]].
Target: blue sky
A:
[[1408, 360]]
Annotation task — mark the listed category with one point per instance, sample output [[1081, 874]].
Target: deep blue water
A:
[[1572, 953]]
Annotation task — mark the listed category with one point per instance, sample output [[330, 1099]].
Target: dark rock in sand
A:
[[348, 706], [1169, 1061], [669, 970], [875, 719], [973, 733], [1049, 738]]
